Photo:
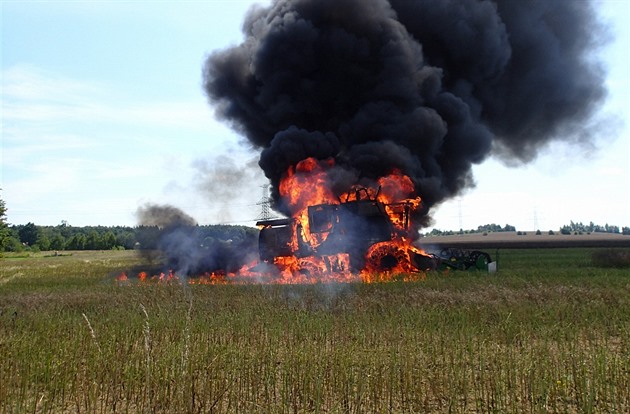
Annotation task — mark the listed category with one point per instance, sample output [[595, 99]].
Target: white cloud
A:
[[27, 83], [31, 94], [65, 140]]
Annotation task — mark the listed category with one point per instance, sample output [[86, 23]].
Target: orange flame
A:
[[308, 185]]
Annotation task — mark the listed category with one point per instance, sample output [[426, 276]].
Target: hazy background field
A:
[[550, 332]]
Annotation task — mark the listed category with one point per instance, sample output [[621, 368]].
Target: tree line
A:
[[31, 237], [486, 228], [571, 228], [581, 228]]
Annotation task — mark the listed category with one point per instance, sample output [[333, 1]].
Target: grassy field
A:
[[549, 332]]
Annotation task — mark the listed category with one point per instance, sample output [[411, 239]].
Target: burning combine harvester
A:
[[356, 234], [364, 234], [360, 106], [366, 231]]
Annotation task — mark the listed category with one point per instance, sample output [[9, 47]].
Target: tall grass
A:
[[548, 333]]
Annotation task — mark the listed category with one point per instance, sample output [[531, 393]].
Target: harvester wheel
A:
[[482, 260], [385, 257]]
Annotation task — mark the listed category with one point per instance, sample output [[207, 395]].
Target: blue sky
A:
[[103, 111]]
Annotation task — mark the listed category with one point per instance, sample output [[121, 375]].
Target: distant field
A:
[[529, 239], [550, 332]]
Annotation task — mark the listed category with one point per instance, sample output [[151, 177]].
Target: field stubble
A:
[[548, 333]]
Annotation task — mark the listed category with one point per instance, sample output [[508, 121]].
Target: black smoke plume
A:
[[430, 87], [163, 216]]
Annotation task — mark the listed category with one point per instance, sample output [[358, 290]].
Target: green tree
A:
[[12, 242], [94, 241], [77, 242], [108, 241], [9, 241], [126, 238], [43, 242], [28, 234], [5, 233], [58, 242]]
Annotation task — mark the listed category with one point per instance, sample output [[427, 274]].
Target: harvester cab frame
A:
[[357, 222]]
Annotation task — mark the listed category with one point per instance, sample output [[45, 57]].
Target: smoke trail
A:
[[221, 180], [428, 87], [190, 249], [163, 216]]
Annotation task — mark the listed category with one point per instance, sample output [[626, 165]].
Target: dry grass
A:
[[548, 333]]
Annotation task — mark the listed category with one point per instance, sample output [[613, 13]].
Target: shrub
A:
[[619, 258]]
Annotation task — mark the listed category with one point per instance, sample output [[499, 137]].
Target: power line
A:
[[264, 203]]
